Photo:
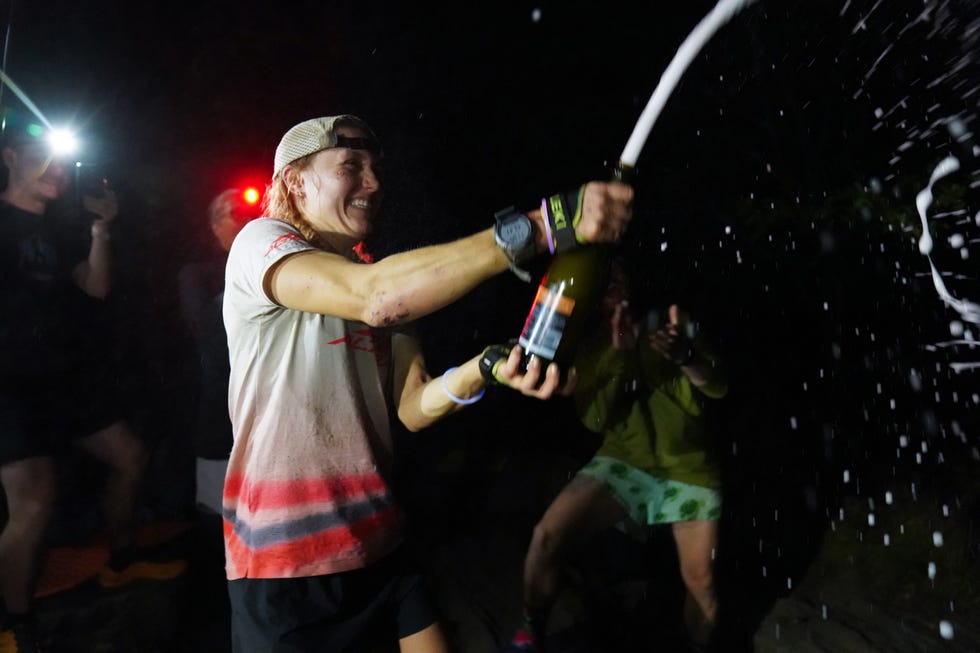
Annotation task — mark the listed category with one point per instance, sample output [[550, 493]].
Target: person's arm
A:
[[692, 355], [409, 285], [94, 274], [395, 290], [423, 400], [419, 398]]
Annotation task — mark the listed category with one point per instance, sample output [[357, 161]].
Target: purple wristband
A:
[[547, 224]]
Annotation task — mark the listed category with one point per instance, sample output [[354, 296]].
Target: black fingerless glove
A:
[[490, 361], [562, 213]]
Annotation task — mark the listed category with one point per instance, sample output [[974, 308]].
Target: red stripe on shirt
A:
[[292, 492], [280, 560]]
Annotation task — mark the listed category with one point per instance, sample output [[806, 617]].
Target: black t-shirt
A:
[[45, 319]]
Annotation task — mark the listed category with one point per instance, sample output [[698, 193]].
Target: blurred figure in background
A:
[[57, 380], [201, 286], [645, 389]]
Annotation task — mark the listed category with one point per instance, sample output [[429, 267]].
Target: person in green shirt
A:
[[643, 387]]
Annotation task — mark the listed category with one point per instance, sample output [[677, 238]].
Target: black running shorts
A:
[[41, 419], [347, 612]]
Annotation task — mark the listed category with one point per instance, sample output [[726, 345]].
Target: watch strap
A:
[[562, 213], [515, 257]]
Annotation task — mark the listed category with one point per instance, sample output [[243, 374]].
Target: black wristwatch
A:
[[514, 235]]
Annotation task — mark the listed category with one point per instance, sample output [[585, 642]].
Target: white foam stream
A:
[[969, 311], [721, 14]]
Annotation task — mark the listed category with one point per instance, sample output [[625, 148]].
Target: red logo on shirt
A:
[[361, 340], [282, 240], [367, 340]]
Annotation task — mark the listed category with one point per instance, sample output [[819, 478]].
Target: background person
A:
[[201, 287], [645, 390], [318, 363], [57, 384]]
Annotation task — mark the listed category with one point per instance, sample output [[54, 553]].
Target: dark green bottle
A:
[[567, 299]]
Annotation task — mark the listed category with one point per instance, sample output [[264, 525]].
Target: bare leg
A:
[[31, 487], [428, 640], [696, 542], [117, 446], [584, 507]]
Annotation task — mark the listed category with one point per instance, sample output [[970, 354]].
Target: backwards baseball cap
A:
[[311, 136]]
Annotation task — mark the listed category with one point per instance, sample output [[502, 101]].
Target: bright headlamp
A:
[[62, 142]]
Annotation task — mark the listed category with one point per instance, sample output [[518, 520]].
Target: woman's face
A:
[[340, 191]]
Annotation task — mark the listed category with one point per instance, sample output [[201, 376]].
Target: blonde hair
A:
[[280, 203]]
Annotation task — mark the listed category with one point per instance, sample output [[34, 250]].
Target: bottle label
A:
[[546, 322]]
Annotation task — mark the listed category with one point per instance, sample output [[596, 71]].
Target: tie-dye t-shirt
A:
[[305, 493]]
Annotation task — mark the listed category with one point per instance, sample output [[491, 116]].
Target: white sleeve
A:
[[257, 247]]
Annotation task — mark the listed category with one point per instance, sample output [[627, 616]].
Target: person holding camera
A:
[[645, 388], [57, 385], [320, 361]]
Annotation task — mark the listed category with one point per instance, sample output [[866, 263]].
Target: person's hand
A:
[[607, 208], [672, 341], [597, 212], [623, 326], [105, 207], [532, 382]]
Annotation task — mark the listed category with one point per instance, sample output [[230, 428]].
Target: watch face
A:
[[515, 230]]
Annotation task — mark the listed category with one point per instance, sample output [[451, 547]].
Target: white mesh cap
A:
[[311, 136]]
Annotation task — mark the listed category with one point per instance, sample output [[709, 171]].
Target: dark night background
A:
[[775, 196]]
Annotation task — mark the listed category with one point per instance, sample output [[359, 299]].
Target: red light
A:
[[251, 195]]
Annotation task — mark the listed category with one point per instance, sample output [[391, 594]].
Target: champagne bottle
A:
[[567, 299]]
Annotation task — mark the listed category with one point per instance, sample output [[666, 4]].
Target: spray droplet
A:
[[915, 380], [847, 476], [946, 629], [937, 538], [535, 15], [932, 570], [956, 127], [888, 498]]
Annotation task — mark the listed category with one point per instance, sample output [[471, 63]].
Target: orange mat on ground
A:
[[68, 566]]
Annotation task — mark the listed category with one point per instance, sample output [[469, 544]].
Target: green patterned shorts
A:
[[649, 500]]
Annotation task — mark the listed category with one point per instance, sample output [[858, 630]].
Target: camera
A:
[[92, 181]]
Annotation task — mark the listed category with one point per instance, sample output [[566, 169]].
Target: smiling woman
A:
[[337, 190], [319, 360]]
